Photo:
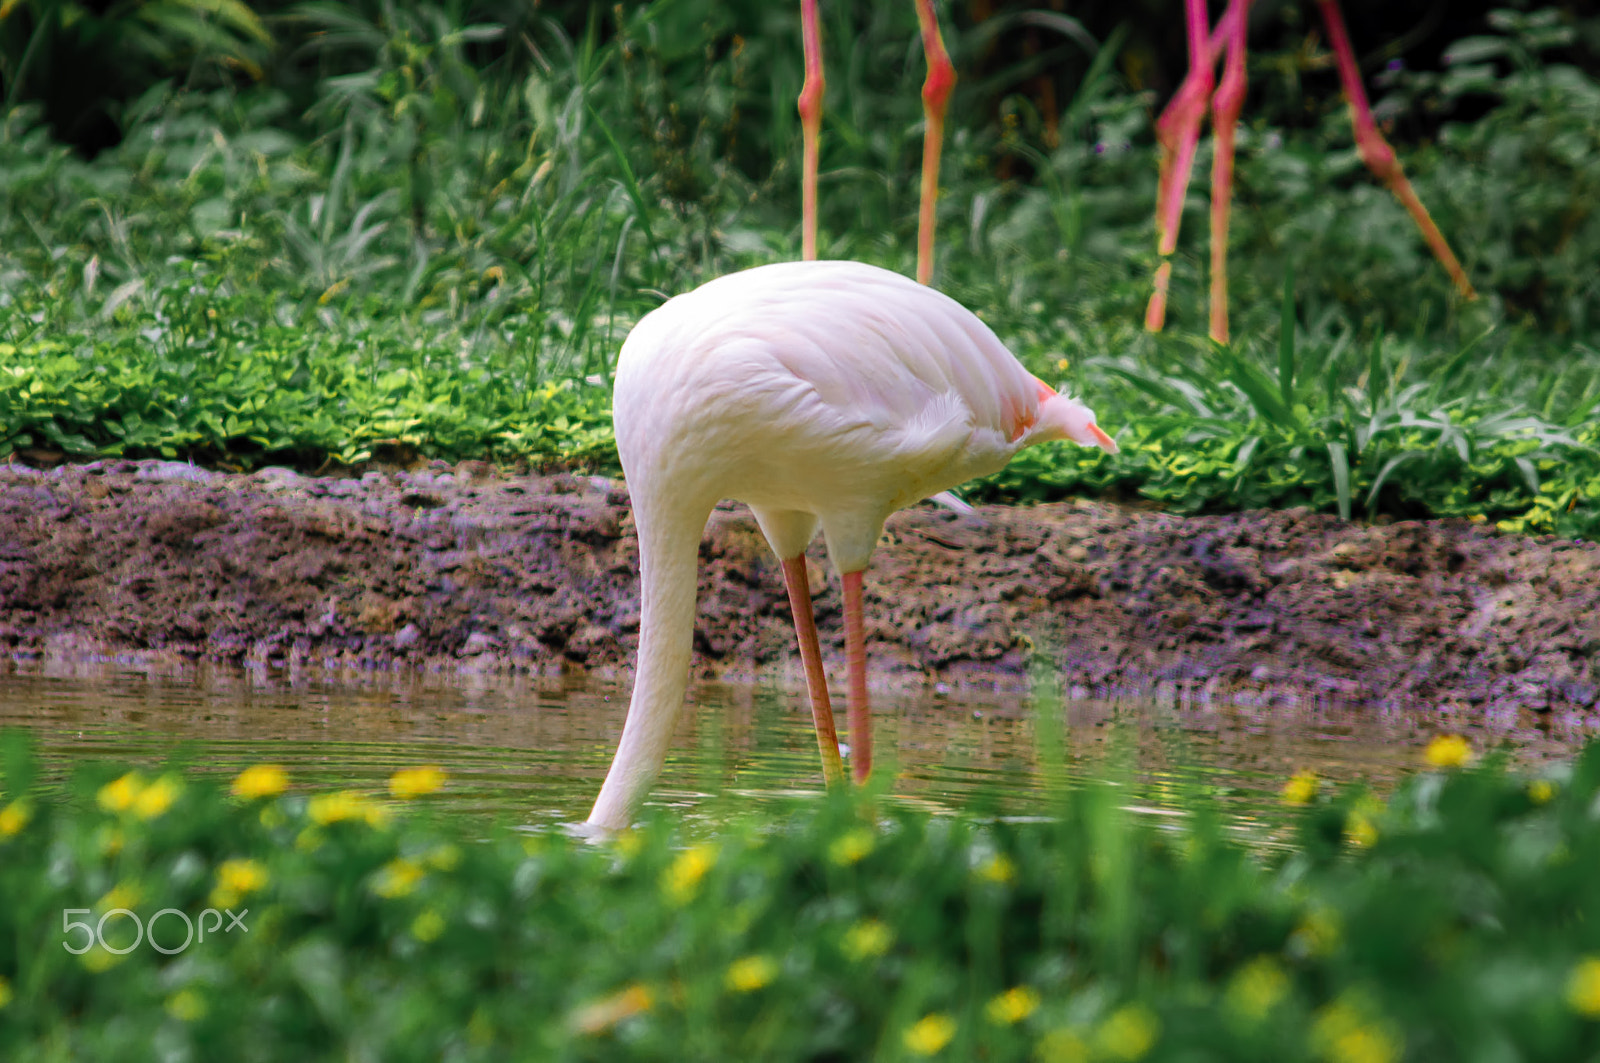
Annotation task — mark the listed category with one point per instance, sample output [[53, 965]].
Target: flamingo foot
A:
[[810, 106], [935, 102], [855, 652], [805, 629], [1376, 152]]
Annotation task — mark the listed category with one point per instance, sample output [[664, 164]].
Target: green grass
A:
[[440, 233], [1456, 921]]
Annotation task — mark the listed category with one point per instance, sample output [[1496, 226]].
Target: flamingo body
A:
[[821, 394]]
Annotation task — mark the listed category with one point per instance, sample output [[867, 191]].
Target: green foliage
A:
[[1459, 915]]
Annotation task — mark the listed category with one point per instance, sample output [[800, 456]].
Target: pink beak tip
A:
[[1103, 441]]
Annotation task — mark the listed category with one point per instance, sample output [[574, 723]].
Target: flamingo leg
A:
[[1376, 152], [855, 652], [810, 106], [1225, 107], [805, 629], [935, 101], [1178, 132]]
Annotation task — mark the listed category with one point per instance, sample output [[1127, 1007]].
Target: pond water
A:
[[535, 750]]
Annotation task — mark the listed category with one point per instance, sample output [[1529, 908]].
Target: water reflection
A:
[[535, 750]]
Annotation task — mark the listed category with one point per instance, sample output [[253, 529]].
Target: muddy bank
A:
[[460, 568]]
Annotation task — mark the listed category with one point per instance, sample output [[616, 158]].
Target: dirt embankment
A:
[[460, 568]]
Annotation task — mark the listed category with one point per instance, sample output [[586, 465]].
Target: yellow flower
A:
[[1257, 988], [1346, 1032], [867, 939], [849, 848], [1317, 935], [1062, 1046], [1448, 751], [156, 798], [346, 805], [397, 878], [110, 840], [751, 973], [427, 926], [5, 991], [1360, 828], [444, 857], [629, 843], [261, 780], [1301, 788], [930, 1034], [414, 782], [186, 1005], [1583, 987], [1128, 1033], [682, 879], [14, 817], [241, 876], [1012, 1006], [122, 895], [997, 869], [1540, 791], [98, 960], [601, 1015], [119, 795]]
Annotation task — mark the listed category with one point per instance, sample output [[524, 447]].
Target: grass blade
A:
[[1340, 460], [1286, 340]]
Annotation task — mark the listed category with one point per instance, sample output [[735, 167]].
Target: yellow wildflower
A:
[[14, 817], [601, 1015], [1128, 1033], [110, 840], [1317, 935], [1257, 988], [1012, 1006], [122, 895], [156, 798], [98, 960], [427, 926], [1448, 751], [867, 939], [628, 843], [186, 1005], [929, 1034], [849, 848], [682, 879], [1360, 828], [998, 869], [397, 878], [1346, 1032], [261, 780], [444, 857], [1540, 791], [241, 876], [1301, 788], [5, 991], [1583, 988], [414, 782], [346, 805], [1062, 1046], [751, 973], [119, 795]]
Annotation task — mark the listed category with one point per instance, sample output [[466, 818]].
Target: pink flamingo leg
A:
[[855, 652], [811, 127], [935, 101], [1178, 132], [805, 629], [1225, 107], [1376, 152]]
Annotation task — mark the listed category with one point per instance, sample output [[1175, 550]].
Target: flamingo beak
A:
[[1103, 441]]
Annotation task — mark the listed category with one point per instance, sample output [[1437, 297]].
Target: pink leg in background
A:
[[935, 101], [810, 126], [1225, 107], [1178, 131]]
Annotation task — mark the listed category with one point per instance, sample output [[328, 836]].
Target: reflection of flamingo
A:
[[1178, 130], [821, 394]]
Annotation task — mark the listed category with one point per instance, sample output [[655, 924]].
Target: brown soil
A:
[[462, 569]]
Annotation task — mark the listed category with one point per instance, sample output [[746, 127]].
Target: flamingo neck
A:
[[669, 545]]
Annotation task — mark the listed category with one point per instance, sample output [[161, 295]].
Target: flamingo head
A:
[[1062, 417]]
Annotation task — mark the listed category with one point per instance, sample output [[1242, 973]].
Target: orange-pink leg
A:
[[855, 654], [1376, 152], [805, 630], [1178, 132], [935, 101], [810, 127], [1225, 107]]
